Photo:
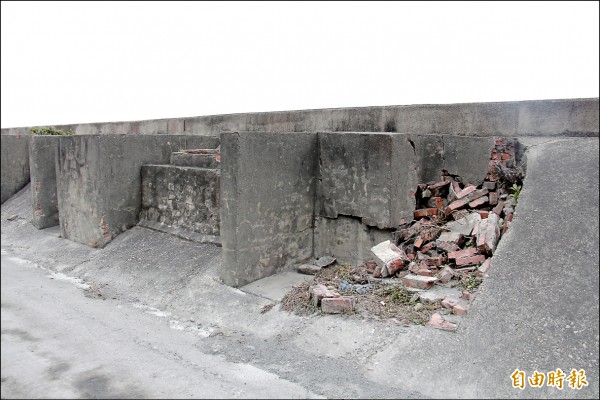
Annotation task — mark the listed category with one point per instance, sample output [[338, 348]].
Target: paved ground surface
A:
[[167, 317]]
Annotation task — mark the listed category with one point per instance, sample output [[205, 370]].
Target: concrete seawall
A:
[[563, 117]]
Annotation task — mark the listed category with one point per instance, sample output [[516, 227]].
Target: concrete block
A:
[[267, 200], [347, 239], [181, 197], [15, 164], [99, 182], [42, 165], [366, 175], [467, 157]]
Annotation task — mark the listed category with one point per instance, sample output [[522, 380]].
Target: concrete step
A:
[[200, 158]]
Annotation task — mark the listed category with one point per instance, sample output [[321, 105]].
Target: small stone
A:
[[12, 217], [308, 269], [418, 307], [325, 261]]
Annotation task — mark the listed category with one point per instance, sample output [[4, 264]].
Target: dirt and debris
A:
[[431, 269]]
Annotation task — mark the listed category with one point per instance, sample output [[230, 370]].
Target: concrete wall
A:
[[15, 164], [467, 157], [570, 117], [366, 175], [362, 187], [268, 184], [99, 180], [42, 166]]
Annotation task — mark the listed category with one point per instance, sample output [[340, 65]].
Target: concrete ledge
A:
[[180, 232], [15, 164], [561, 117]]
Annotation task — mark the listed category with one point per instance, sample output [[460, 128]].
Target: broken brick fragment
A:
[[449, 302], [438, 322], [455, 205], [493, 198], [459, 310], [470, 260], [499, 207], [463, 253], [447, 246], [477, 194], [319, 292], [446, 274], [425, 212], [478, 202], [483, 268], [385, 254], [419, 282], [337, 305], [469, 189]]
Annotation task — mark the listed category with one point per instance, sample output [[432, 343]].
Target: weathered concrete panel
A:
[[42, 165], [347, 239], [15, 164], [366, 175], [181, 197], [267, 201], [99, 182], [467, 157], [537, 118]]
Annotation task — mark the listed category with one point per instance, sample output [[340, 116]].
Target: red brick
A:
[[449, 302], [448, 247], [499, 207], [459, 310], [470, 260], [483, 213], [493, 196], [419, 282], [370, 265], [465, 191], [438, 185], [446, 275], [338, 305], [425, 212], [425, 272], [438, 322], [463, 253], [466, 295], [419, 242], [433, 261], [394, 266], [500, 142], [456, 205], [478, 202], [427, 247], [377, 272], [477, 194], [319, 292], [505, 156]]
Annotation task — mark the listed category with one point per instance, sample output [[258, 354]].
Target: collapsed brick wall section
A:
[[452, 238]]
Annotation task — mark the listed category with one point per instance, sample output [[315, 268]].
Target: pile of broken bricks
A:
[[455, 231], [454, 234]]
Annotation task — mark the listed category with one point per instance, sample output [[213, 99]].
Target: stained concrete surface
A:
[[274, 287], [537, 309]]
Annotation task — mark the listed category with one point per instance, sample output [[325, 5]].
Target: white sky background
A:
[[96, 62]]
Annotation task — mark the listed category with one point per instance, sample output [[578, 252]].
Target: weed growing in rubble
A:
[[398, 294], [516, 190], [471, 282]]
